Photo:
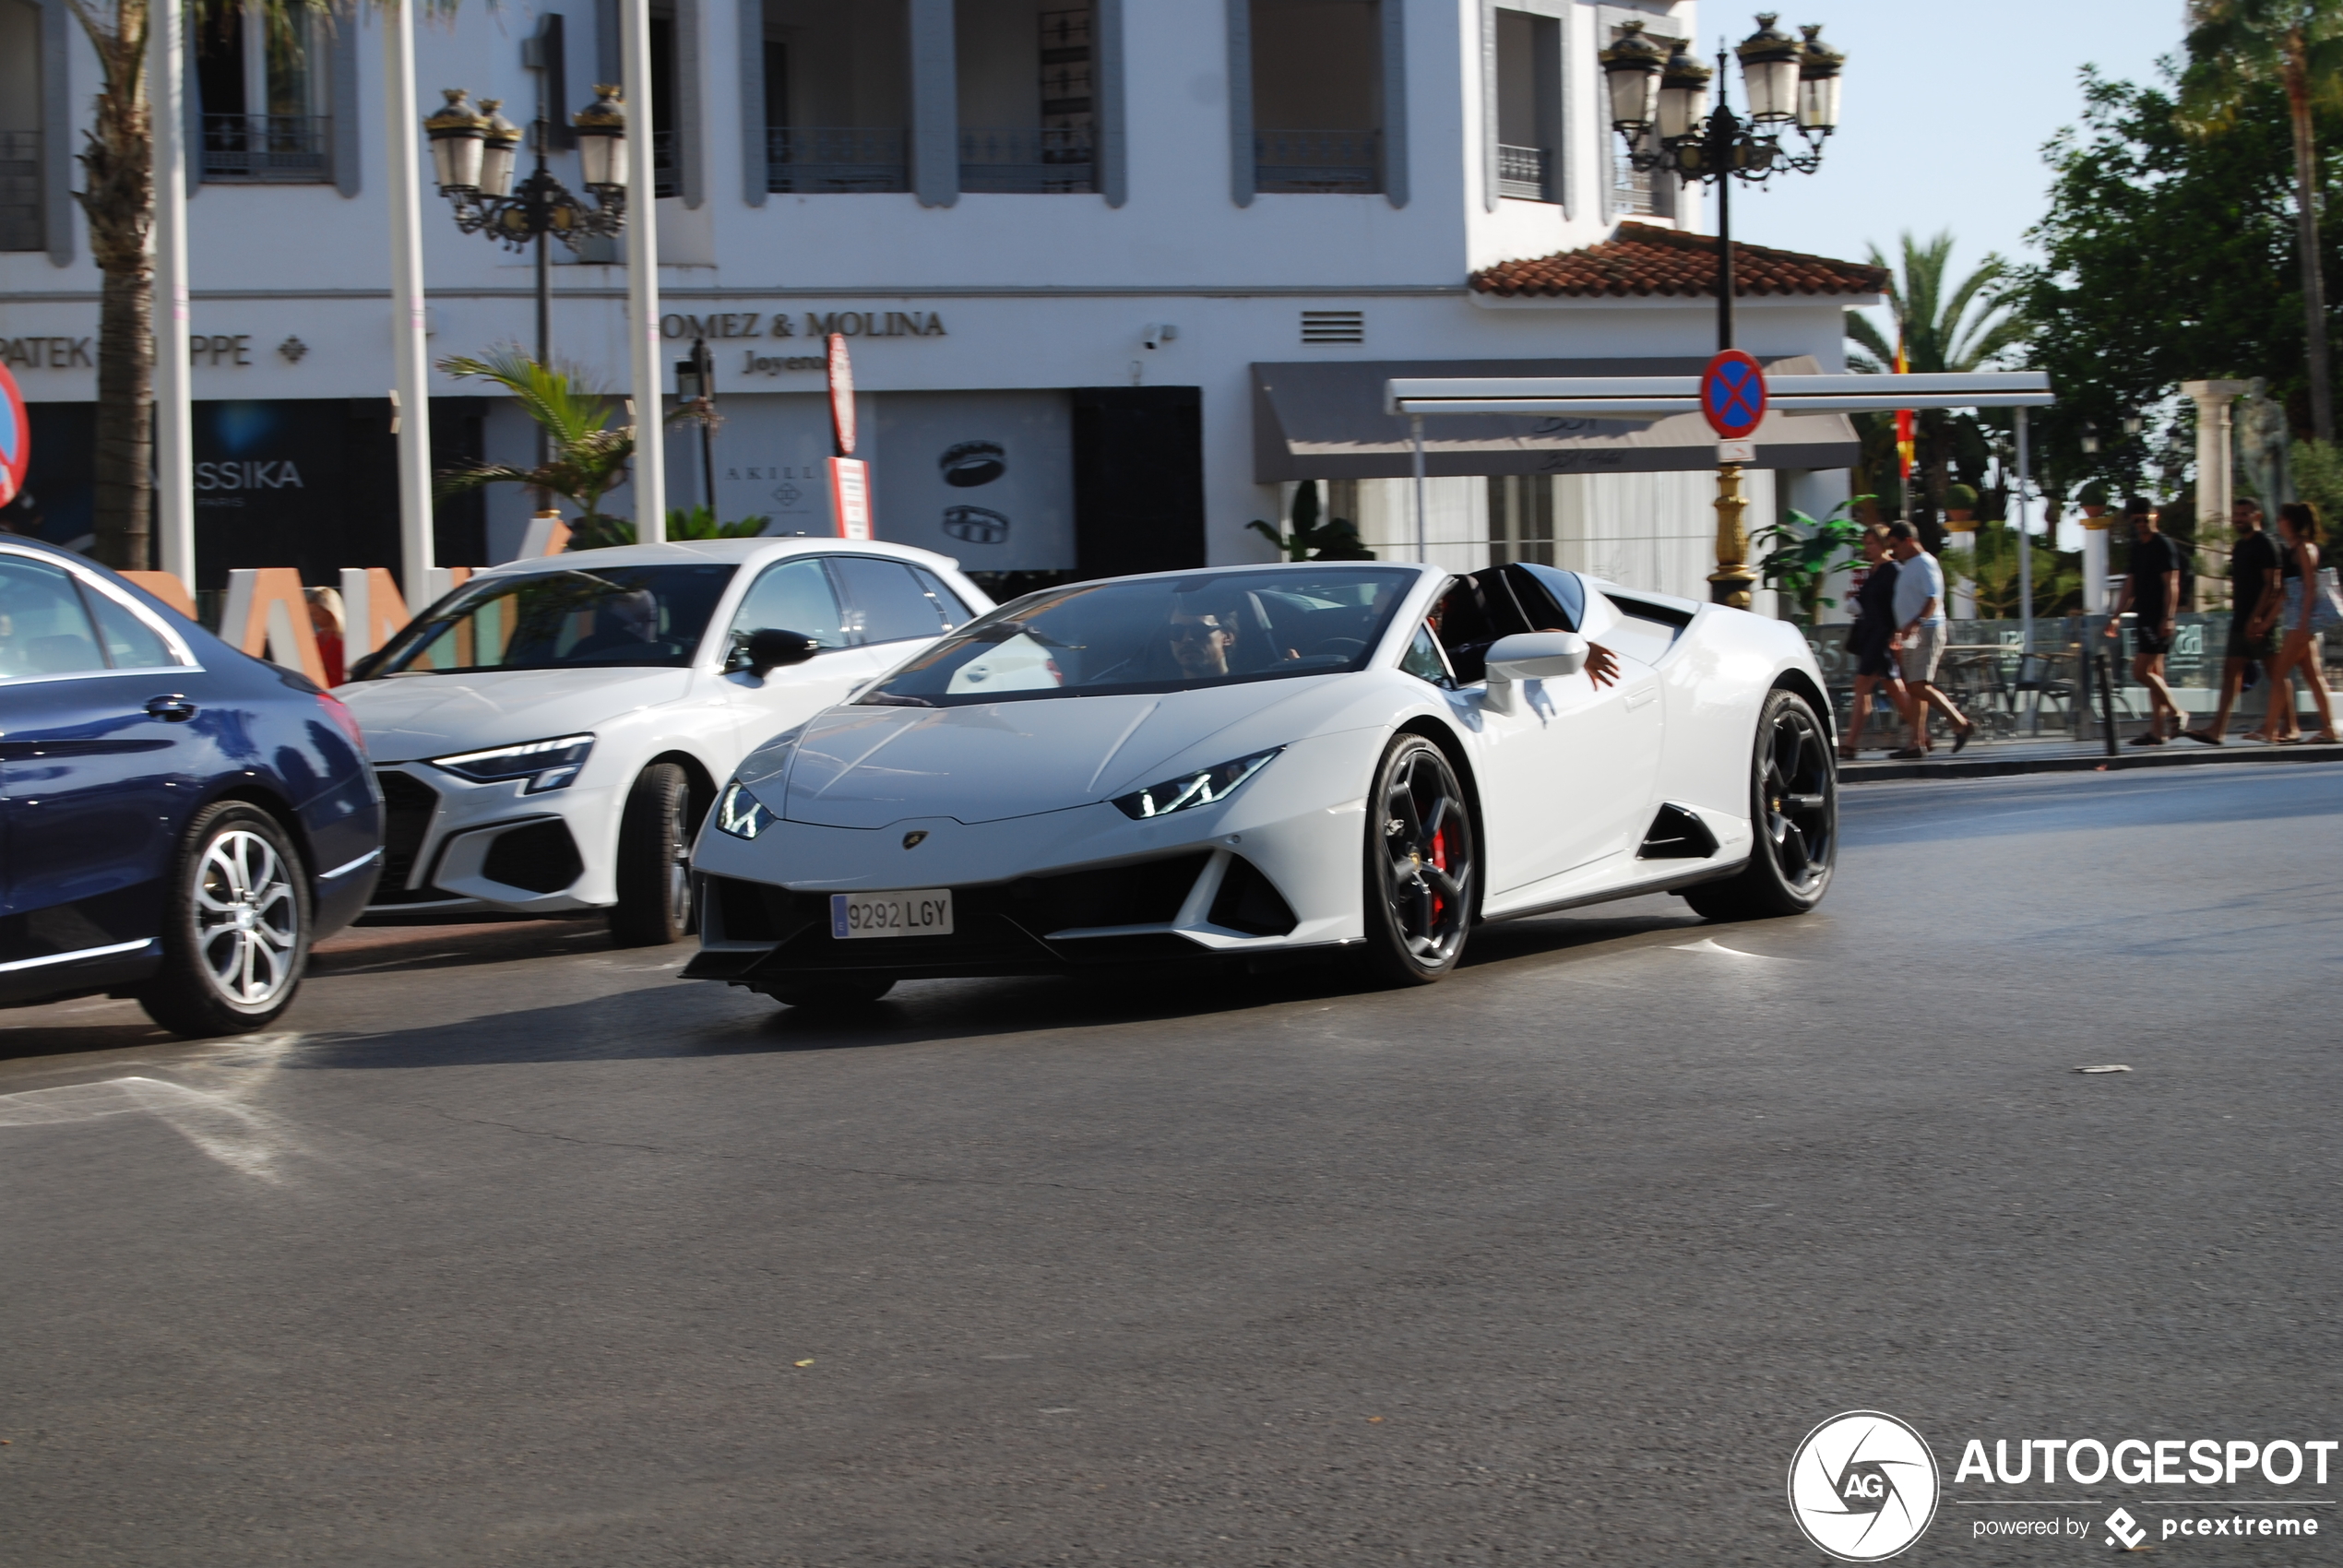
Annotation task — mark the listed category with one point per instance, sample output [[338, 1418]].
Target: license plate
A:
[[919, 911]]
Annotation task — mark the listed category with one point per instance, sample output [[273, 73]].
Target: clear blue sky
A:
[[1945, 109]]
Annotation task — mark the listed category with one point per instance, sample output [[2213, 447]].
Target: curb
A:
[[1989, 768]]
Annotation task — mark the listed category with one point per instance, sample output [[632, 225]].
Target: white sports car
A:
[[548, 736], [1261, 761]]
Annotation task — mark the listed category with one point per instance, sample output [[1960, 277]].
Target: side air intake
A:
[[1677, 834]]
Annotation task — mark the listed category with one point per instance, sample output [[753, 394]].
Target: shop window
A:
[[837, 98], [1527, 88], [1317, 98], [263, 84], [1027, 98], [1521, 519], [20, 144]]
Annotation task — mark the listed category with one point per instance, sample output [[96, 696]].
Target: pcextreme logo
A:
[[1862, 1486]]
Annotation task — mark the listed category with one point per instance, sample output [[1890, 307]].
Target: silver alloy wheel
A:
[[247, 919]]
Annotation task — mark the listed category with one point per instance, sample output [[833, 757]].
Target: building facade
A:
[[1116, 276]]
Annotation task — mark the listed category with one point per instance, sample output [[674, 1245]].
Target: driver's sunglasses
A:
[[1193, 630]]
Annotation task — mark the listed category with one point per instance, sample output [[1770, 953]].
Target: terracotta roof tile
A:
[[1642, 258]]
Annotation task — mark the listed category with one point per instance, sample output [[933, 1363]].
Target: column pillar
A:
[[2213, 400], [2095, 521]]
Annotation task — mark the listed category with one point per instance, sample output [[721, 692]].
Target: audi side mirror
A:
[[769, 647]]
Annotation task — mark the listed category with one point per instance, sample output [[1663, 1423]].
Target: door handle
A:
[[171, 710]]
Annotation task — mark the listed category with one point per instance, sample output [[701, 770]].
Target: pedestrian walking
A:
[[2254, 610], [1920, 639], [2311, 606], [1871, 640], [2152, 592]]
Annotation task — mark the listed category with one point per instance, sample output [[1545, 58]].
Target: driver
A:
[[1202, 641], [623, 622]]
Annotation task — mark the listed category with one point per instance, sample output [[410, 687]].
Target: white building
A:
[[1116, 273]]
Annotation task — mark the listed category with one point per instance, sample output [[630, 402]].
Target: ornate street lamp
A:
[[1660, 106]]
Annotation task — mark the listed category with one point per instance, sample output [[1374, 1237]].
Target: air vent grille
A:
[[1334, 326]]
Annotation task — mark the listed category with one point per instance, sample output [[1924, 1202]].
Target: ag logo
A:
[[1862, 1486]]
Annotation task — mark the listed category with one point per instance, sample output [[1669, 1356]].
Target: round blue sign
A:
[[1732, 394]]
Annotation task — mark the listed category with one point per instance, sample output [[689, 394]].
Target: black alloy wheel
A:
[[1420, 866], [1794, 810], [654, 859]]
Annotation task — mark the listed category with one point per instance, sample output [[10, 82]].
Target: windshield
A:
[[1158, 634], [583, 618]]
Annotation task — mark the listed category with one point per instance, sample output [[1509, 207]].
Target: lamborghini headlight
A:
[[1201, 788], [740, 814], [547, 764]]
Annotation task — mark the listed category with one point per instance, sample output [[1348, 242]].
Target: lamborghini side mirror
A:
[[1537, 656]]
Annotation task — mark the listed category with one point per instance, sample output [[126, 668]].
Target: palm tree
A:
[[588, 457], [2235, 46], [119, 200], [1963, 327]]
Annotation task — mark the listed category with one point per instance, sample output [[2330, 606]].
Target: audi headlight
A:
[[1201, 788], [547, 764], [740, 814]]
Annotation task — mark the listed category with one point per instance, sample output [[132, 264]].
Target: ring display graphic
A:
[[1863, 1486]]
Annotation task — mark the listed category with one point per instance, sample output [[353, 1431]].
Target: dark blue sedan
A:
[[178, 821]]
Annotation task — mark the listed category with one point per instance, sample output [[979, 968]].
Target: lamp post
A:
[[1659, 105]]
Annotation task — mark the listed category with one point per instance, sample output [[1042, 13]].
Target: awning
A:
[[1327, 420]]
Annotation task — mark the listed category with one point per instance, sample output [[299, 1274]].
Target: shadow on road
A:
[[660, 1021]]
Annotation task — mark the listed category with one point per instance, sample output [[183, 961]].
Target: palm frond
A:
[[1865, 331]]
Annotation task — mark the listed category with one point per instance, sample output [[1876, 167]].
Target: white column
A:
[[175, 501], [642, 278], [2095, 599], [410, 355], [2213, 488]]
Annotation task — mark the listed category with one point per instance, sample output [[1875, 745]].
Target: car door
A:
[[100, 745], [1570, 764], [794, 595]]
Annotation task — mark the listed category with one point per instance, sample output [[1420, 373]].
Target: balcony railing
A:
[[267, 148], [1342, 162], [21, 191], [814, 161], [1521, 172], [663, 178], [1030, 160]]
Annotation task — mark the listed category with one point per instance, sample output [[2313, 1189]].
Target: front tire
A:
[[1794, 814], [235, 936], [654, 905], [1420, 867]]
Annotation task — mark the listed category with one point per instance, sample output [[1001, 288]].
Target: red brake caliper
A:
[[1439, 859]]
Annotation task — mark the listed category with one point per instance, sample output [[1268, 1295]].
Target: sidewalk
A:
[[1987, 758]]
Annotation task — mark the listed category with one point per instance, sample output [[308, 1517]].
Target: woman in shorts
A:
[[1872, 641]]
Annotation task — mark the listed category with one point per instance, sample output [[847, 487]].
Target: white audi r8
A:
[[548, 736], [1254, 762]]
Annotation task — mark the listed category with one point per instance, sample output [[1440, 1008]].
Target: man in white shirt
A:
[[1920, 638]]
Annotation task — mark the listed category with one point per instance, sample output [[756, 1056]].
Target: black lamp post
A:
[[1659, 105], [472, 154]]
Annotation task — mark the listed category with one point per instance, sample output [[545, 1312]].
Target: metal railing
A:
[[20, 225], [664, 179], [1028, 161], [267, 148], [1339, 162], [847, 160], [1521, 172]]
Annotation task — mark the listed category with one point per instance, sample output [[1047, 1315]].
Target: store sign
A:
[[814, 324], [79, 353]]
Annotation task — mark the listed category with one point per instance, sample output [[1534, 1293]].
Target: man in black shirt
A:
[[2152, 590], [2253, 607]]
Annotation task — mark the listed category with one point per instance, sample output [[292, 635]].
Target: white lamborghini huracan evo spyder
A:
[[1242, 762]]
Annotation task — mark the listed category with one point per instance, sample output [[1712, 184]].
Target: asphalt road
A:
[[511, 1249]]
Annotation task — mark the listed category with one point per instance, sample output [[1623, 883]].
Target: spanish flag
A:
[[1905, 442]]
